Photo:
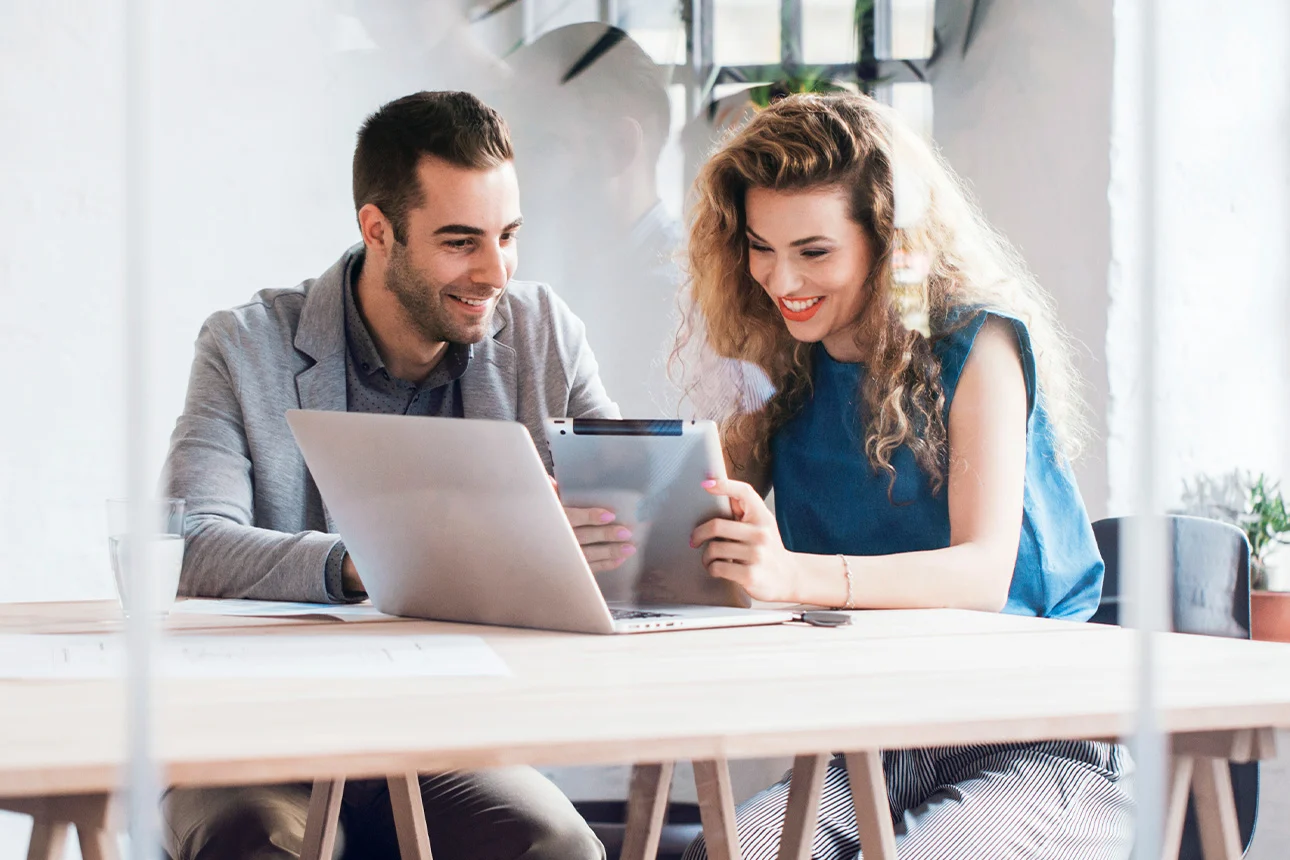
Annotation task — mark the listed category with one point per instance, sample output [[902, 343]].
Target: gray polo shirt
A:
[[370, 388]]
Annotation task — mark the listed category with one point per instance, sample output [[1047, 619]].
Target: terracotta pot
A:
[[1270, 615]]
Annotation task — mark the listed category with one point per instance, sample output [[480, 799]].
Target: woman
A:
[[908, 470]]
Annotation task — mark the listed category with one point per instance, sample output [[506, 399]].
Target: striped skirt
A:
[[1040, 801]]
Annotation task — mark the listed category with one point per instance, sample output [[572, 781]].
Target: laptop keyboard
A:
[[633, 614]]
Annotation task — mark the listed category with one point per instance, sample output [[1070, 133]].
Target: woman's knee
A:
[[697, 850]]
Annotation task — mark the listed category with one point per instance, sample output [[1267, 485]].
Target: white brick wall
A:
[[1224, 262]]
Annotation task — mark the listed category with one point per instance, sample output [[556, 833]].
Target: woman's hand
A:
[[748, 550], [604, 543]]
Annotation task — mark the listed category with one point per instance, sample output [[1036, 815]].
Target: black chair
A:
[[1211, 597]]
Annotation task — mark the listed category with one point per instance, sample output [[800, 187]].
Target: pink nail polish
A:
[[623, 534], [709, 483], [606, 517], [627, 550]]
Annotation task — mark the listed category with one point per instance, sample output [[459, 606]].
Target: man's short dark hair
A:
[[456, 127]]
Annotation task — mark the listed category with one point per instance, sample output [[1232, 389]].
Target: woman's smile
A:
[[800, 309]]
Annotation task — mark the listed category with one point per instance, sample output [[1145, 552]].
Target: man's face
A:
[[460, 252]]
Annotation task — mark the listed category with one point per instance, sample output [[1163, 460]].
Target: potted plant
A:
[[1257, 507]]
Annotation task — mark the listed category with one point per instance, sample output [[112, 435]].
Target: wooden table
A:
[[891, 680]]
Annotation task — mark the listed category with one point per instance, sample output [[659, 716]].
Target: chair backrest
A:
[[1211, 597], [1211, 575]]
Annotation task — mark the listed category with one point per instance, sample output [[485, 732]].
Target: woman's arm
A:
[[987, 439]]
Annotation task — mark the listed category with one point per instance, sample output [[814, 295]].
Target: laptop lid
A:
[[453, 519]]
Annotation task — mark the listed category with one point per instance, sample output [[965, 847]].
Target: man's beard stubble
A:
[[423, 302]]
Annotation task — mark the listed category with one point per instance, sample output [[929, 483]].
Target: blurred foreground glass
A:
[[745, 32], [657, 26], [903, 29], [912, 100], [161, 550], [829, 31]]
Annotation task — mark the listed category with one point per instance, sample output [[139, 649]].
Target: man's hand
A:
[[605, 543]]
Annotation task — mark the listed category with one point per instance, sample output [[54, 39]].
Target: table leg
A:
[[1238, 745], [48, 840], [1220, 834], [323, 820], [646, 809], [409, 817], [803, 806], [97, 843], [91, 813], [717, 809], [873, 813], [1179, 791]]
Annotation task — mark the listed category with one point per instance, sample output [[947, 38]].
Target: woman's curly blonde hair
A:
[[850, 142]]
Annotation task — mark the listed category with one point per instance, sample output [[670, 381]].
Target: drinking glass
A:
[[158, 551]]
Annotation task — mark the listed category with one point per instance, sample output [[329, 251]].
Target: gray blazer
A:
[[255, 523]]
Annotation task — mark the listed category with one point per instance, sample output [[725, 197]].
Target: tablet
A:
[[650, 474]]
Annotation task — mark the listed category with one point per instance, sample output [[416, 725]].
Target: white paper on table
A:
[[277, 609], [35, 656]]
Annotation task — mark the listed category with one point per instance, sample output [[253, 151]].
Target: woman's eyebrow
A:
[[796, 243]]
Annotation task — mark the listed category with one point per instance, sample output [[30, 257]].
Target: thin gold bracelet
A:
[[846, 568]]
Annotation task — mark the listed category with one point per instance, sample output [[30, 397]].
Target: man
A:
[[421, 319], [591, 117]]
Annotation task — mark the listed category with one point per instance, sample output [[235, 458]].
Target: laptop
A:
[[455, 519]]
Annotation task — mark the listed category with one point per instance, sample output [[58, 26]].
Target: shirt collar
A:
[[362, 347]]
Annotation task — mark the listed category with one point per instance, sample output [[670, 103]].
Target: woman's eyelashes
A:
[[808, 253]]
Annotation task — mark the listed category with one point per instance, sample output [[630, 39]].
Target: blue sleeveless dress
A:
[[828, 499]]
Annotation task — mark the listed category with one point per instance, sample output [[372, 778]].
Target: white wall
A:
[[250, 173], [1224, 261], [60, 285], [1025, 119], [1222, 299]]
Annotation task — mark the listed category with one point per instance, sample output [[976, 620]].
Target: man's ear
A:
[[376, 229], [626, 145]]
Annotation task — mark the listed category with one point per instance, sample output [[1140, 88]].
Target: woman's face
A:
[[812, 260]]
